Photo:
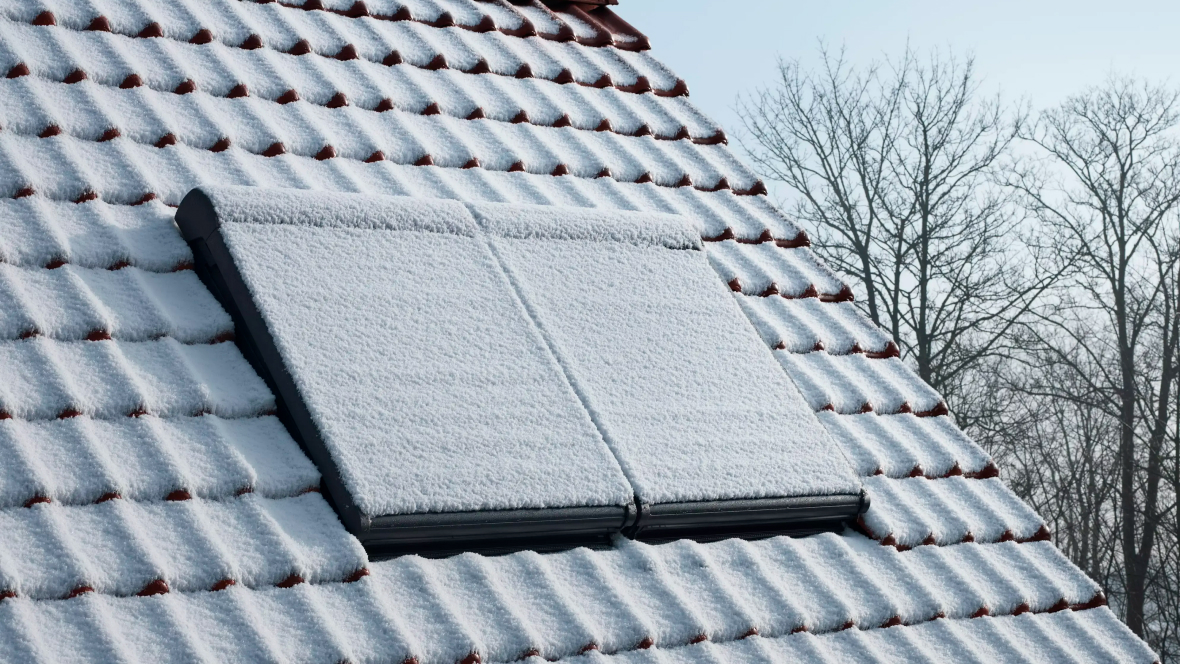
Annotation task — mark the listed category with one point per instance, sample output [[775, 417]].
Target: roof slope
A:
[[154, 510]]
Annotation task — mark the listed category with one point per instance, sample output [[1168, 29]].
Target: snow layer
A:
[[80, 460], [71, 303], [947, 511], [557, 605], [320, 209], [428, 382], [438, 611], [118, 547], [683, 390], [523, 222], [42, 378]]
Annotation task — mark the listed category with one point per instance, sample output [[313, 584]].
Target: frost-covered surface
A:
[[686, 395], [254, 205], [432, 389], [524, 222], [634, 602], [904, 445], [71, 303], [41, 378], [605, 603]]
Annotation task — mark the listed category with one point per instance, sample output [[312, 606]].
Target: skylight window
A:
[[494, 377]]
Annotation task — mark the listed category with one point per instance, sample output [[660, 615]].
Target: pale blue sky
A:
[[1038, 49]]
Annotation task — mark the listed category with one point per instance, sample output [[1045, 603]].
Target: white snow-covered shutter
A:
[[491, 377], [408, 368]]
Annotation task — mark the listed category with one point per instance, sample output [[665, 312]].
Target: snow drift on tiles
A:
[[904, 445], [81, 460], [119, 546], [42, 378]]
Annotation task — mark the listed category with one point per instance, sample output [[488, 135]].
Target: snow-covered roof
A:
[[153, 509]]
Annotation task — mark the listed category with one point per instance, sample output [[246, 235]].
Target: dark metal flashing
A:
[[495, 531], [492, 531], [762, 517]]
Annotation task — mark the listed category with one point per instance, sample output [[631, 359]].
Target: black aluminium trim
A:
[[760, 517], [492, 531], [430, 534]]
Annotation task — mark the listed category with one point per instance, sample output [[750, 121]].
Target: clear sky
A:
[[1040, 50]]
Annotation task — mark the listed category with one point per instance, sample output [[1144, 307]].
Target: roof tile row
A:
[[42, 379], [75, 303], [905, 445], [804, 325], [123, 547], [81, 460], [919, 511], [627, 599], [1092, 636], [249, 27], [126, 172], [856, 383]]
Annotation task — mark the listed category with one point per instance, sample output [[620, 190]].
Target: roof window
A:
[[494, 377]]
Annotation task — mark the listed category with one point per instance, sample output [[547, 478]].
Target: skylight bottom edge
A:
[[753, 518], [493, 532]]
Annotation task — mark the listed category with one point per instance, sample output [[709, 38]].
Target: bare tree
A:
[[1107, 194], [1030, 273], [893, 166]]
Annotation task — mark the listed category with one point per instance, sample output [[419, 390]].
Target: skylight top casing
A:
[[491, 377]]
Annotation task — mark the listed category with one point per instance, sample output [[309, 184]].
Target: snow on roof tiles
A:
[[41, 379], [112, 109], [825, 590], [75, 303], [80, 460]]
